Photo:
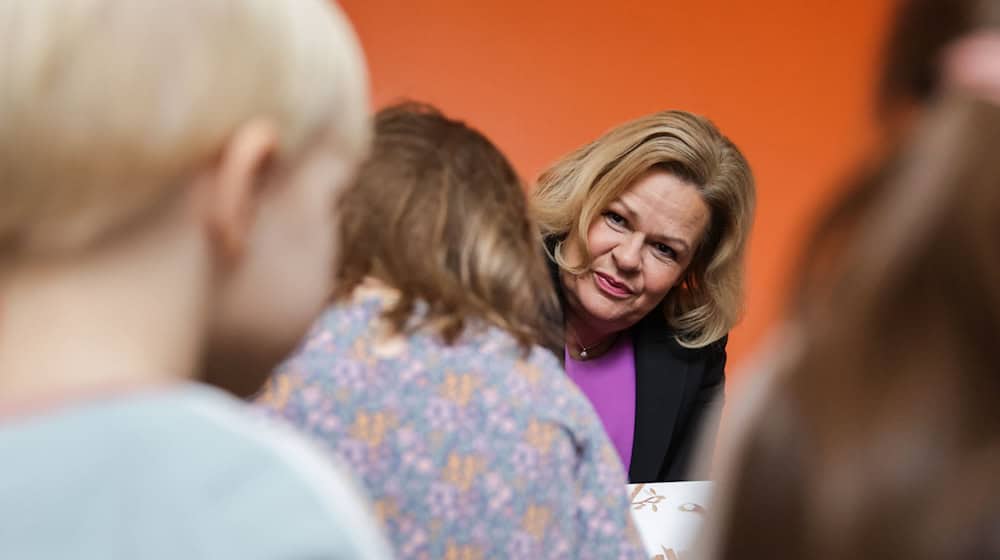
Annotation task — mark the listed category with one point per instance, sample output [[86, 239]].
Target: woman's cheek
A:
[[601, 239]]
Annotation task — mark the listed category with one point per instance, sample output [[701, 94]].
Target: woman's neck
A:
[[585, 342], [126, 316]]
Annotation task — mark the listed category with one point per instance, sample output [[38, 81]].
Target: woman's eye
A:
[[665, 250], [615, 218]]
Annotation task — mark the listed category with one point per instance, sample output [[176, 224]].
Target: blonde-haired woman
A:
[[428, 375], [646, 228]]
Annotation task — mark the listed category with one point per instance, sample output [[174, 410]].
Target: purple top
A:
[[609, 383]]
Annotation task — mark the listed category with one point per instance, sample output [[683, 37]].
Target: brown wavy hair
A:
[[439, 214]]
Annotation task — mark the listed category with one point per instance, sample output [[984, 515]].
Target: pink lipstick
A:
[[611, 286]]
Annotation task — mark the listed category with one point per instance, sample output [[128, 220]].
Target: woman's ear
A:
[[236, 185]]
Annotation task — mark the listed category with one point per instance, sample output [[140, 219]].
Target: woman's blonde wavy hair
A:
[[571, 194]]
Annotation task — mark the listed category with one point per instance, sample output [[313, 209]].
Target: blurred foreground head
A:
[[882, 439], [233, 121]]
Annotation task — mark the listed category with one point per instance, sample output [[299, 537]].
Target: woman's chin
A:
[[608, 319]]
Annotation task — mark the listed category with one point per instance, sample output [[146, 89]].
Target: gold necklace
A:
[[585, 351]]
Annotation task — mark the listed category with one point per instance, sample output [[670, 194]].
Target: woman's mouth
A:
[[612, 287]]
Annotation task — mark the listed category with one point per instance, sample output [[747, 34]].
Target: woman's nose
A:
[[627, 254]]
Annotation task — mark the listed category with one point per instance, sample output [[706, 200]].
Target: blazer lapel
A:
[[659, 389]]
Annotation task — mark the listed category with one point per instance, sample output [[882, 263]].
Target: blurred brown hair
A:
[[882, 438], [439, 214], [910, 79], [911, 59]]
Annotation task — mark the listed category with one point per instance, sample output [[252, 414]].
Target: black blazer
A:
[[678, 397]]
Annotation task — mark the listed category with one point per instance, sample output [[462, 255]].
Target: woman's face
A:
[[641, 244]]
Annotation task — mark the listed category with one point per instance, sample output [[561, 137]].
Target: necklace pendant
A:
[[584, 355]]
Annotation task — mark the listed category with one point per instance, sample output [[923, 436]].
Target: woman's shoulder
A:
[[653, 333]]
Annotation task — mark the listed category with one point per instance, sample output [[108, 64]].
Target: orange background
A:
[[789, 81]]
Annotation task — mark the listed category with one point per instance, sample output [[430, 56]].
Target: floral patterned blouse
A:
[[468, 451]]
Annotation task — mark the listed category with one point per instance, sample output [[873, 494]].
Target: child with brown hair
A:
[[428, 373]]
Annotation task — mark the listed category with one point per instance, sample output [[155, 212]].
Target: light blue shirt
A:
[[179, 473]]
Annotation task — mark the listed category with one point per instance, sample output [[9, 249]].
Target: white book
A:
[[669, 515]]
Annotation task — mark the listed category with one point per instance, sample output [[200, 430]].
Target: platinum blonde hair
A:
[[105, 105]]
